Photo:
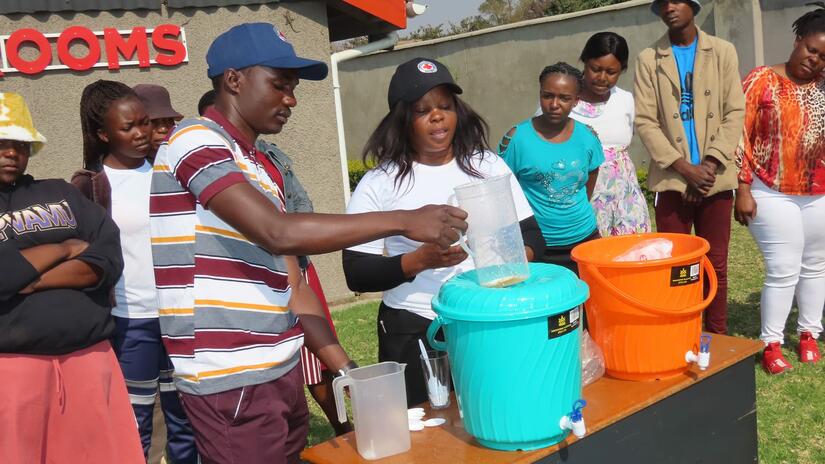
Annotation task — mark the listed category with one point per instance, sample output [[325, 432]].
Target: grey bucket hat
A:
[[696, 4]]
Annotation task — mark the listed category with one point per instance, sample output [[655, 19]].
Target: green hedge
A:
[[641, 174], [356, 169]]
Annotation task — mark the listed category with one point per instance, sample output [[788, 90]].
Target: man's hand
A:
[[712, 163], [318, 336], [429, 256], [437, 224], [701, 176], [744, 208], [692, 197]]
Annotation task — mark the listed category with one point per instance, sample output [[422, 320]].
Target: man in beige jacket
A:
[[689, 114]]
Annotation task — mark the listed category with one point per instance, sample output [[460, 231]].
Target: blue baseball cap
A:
[[259, 44]]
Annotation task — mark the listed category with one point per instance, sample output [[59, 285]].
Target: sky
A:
[[443, 11]]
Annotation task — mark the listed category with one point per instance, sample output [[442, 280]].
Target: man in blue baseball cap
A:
[[690, 110], [230, 289], [259, 55]]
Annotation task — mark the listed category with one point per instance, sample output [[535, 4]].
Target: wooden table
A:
[[707, 417]]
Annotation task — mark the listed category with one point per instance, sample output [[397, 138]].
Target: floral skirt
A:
[[618, 201]]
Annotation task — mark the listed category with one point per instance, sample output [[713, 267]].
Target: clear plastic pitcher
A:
[[379, 408], [493, 232]]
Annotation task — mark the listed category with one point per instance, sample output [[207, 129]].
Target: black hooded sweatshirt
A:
[[55, 321]]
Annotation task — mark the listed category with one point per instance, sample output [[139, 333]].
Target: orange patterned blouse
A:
[[784, 137]]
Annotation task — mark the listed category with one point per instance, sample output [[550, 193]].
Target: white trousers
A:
[[790, 232]]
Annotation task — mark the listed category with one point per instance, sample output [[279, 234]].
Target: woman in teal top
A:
[[556, 160]]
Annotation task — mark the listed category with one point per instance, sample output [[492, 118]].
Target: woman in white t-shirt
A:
[[618, 201], [117, 175], [429, 143]]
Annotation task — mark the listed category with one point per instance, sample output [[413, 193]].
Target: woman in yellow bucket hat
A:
[[62, 397]]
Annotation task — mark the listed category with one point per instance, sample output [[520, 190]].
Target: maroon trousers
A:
[[711, 220], [258, 424]]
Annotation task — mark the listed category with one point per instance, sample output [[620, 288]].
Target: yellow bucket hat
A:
[[16, 122]]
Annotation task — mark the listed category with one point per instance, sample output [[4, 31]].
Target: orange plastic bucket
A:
[[646, 315]]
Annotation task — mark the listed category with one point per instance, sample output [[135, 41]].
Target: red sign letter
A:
[[13, 49], [64, 42], [115, 44], [160, 41]]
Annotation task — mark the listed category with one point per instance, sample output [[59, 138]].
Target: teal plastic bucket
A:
[[514, 353]]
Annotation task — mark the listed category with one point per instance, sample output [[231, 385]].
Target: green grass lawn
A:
[[790, 411]]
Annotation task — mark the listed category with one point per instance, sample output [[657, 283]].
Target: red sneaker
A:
[[808, 350], [773, 361]]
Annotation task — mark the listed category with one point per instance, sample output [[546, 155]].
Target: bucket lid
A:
[[550, 290]]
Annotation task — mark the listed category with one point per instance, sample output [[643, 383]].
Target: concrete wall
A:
[[777, 27], [310, 137], [739, 22], [499, 67]]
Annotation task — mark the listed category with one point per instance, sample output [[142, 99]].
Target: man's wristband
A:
[[345, 370]]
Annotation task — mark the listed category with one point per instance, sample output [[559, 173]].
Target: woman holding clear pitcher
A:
[[429, 142]]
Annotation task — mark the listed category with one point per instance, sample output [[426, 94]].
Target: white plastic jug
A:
[[379, 408], [493, 232]]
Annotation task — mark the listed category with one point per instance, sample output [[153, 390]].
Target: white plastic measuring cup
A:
[[379, 408], [493, 233]]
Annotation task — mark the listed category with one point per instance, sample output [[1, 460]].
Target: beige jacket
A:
[[719, 110]]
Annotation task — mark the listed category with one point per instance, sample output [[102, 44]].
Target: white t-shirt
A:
[[428, 185], [135, 295], [612, 120]]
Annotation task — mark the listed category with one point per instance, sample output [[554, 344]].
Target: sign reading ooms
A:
[[122, 48]]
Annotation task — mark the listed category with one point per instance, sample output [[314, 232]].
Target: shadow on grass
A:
[[743, 316], [319, 428]]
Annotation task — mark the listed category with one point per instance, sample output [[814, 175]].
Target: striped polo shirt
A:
[[222, 299]]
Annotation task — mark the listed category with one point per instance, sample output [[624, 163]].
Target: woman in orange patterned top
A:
[[781, 194]]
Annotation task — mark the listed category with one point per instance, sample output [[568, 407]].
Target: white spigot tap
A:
[[702, 359], [574, 421]]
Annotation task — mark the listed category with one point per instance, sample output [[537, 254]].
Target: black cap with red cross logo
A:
[[416, 77]]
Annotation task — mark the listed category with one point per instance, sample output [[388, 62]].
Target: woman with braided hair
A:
[[116, 142], [781, 193], [617, 199], [556, 160]]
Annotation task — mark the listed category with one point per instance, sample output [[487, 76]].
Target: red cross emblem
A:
[[427, 67]]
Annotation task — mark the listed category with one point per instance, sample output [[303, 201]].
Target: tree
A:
[[555, 7], [469, 24], [499, 11], [473, 23], [536, 9], [427, 32]]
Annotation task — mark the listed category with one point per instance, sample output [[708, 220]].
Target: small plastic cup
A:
[[437, 378]]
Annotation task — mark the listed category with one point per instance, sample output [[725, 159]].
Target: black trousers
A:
[[398, 334], [560, 255]]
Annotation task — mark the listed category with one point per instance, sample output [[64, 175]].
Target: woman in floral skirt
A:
[[617, 199]]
